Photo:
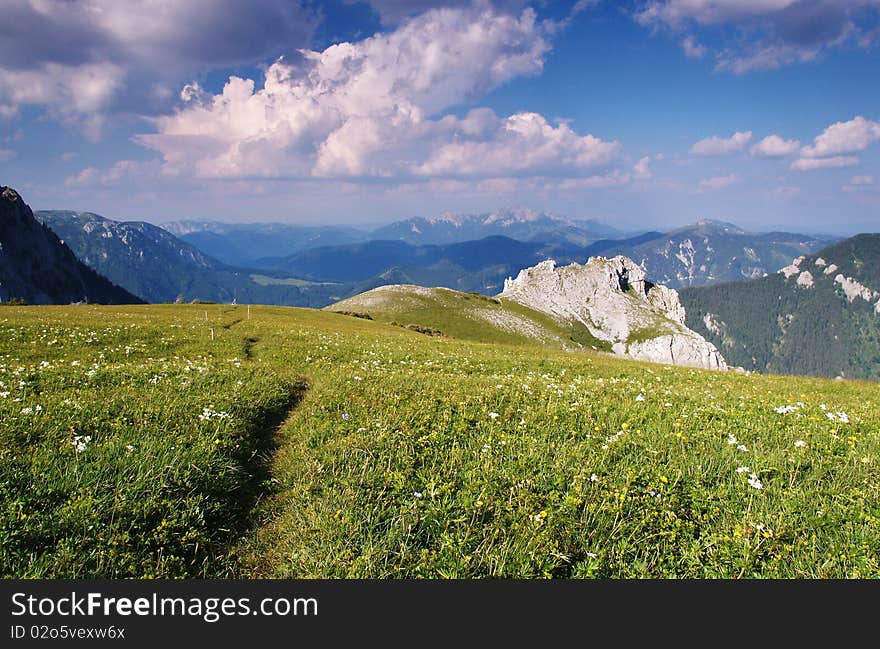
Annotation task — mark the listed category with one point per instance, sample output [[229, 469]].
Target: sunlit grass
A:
[[414, 456]]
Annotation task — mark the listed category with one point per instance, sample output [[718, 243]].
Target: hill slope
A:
[[818, 316], [605, 304], [37, 267]]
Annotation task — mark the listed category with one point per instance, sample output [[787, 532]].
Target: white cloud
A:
[[6, 155], [775, 146], [861, 180], [614, 178], [674, 12], [83, 60], [524, 143], [808, 164], [120, 172], [642, 169], [692, 48], [859, 184], [844, 137], [86, 176], [718, 182], [371, 109], [72, 92], [770, 57], [716, 145]]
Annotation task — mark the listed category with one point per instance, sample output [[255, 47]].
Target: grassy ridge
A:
[[416, 456]]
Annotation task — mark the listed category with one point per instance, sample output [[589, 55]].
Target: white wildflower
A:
[[754, 482], [800, 443], [80, 442], [731, 439], [493, 415], [743, 469], [641, 397]]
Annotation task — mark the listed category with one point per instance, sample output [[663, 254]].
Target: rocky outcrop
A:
[[36, 266], [615, 301]]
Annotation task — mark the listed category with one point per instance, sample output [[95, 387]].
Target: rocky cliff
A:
[[35, 266], [615, 301]]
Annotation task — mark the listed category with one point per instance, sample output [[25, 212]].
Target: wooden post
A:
[[249, 311], [212, 334], [206, 316]]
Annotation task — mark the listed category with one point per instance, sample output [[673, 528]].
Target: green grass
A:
[[265, 280], [412, 456], [471, 316]]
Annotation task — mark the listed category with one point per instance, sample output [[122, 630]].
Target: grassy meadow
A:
[[134, 442]]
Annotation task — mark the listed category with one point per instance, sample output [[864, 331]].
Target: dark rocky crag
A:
[[37, 267]]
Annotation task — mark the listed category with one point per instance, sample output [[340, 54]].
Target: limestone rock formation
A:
[[615, 301]]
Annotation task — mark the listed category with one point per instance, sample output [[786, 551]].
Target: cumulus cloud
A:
[[766, 34], [717, 145], [774, 146], [844, 137], [835, 162], [374, 109], [718, 182], [91, 57], [72, 92]]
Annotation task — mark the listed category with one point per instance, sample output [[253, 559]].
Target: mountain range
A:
[[521, 224], [816, 315], [38, 268], [157, 266], [242, 244]]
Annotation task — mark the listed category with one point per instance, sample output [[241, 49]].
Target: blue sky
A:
[[645, 114]]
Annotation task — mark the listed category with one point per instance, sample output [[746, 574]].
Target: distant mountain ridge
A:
[[242, 244], [819, 315], [708, 252], [37, 267], [152, 263], [515, 223]]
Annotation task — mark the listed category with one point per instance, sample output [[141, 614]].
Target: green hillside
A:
[[773, 324], [142, 441], [467, 316]]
